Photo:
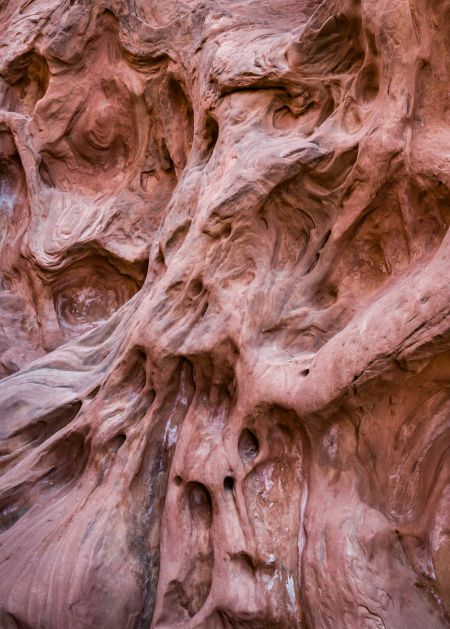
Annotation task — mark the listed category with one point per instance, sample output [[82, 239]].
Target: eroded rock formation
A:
[[224, 299]]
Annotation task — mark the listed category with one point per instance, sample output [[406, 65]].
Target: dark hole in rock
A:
[[10, 621], [212, 134], [166, 160], [226, 232], [177, 480], [248, 445], [94, 392], [196, 287], [118, 441], [228, 483], [325, 239], [208, 139], [305, 372], [10, 514], [313, 263]]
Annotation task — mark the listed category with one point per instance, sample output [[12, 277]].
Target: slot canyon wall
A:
[[224, 314]]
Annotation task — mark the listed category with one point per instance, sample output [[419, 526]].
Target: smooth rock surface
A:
[[225, 314]]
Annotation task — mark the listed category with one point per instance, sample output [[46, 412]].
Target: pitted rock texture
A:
[[225, 314]]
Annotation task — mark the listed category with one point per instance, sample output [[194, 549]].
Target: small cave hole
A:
[[210, 137], [166, 160], [92, 394], [10, 514], [177, 480], [159, 259], [305, 372], [325, 239], [226, 232], [248, 445], [313, 264], [196, 287], [228, 483], [118, 441], [206, 138]]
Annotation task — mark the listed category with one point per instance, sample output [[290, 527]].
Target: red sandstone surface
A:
[[225, 314]]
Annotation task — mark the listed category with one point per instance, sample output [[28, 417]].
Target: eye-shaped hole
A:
[[226, 232], [248, 445], [118, 442], [195, 287], [228, 483], [93, 393]]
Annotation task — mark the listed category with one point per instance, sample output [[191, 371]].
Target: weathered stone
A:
[[225, 314]]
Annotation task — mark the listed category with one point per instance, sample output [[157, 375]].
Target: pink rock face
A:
[[225, 314]]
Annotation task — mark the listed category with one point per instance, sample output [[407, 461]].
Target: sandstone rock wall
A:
[[224, 308]]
